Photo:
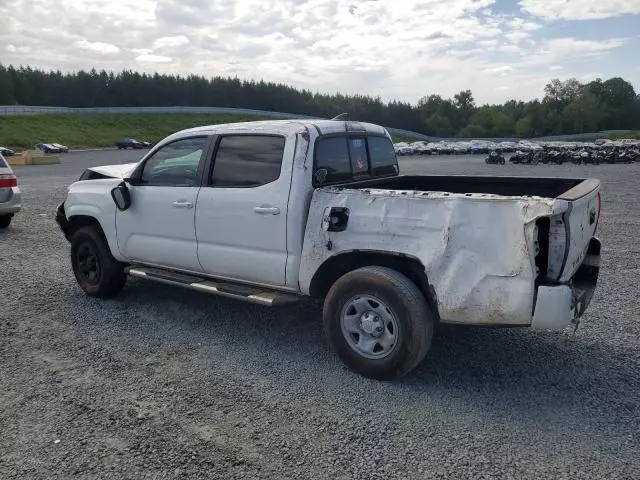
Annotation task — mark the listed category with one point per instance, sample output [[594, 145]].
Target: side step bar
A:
[[269, 298]]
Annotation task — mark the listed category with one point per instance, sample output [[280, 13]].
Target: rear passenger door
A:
[[241, 213]]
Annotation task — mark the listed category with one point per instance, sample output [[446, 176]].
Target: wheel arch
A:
[[76, 222], [338, 265]]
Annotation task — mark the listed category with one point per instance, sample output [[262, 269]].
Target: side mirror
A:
[[121, 196]]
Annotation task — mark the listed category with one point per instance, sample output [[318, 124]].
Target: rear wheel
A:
[[5, 220], [95, 269], [378, 322]]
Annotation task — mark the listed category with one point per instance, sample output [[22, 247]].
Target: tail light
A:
[[7, 181]]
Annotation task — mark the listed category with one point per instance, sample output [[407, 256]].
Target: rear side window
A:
[[247, 161], [3, 164], [346, 158], [332, 156], [382, 156]]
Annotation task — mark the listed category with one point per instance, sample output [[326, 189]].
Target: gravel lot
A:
[[166, 383]]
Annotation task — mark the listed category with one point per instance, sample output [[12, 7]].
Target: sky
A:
[[394, 49]]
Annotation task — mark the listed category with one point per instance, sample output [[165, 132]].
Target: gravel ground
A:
[[166, 383]]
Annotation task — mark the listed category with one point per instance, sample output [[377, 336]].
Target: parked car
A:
[[48, 148], [6, 152], [460, 148], [132, 143], [10, 197], [278, 210], [62, 148]]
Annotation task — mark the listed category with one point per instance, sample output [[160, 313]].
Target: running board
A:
[[269, 298]]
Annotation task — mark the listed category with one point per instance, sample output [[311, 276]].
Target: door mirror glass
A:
[[121, 196]]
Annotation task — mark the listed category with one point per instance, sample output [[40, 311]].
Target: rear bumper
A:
[[558, 306], [10, 200]]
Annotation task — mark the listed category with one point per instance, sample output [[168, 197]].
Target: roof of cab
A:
[[286, 127]]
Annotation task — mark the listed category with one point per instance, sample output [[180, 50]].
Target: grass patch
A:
[[89, 130], [403, 138], [611, 136], [633, 135], [85, 130]]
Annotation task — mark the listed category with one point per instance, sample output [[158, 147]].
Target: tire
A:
[[5, 220], [395, 312], [108, 276]]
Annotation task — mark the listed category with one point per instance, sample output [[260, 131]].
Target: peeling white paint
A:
[[478, 249]]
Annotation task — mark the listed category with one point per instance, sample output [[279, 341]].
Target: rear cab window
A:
[[346, 158]]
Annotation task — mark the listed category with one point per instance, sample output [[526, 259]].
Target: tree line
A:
[[567, 107]]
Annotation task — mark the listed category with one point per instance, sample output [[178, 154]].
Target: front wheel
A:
[[378, 322], [95, 269]]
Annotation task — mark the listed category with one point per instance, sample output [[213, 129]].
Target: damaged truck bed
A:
[[486, 243]]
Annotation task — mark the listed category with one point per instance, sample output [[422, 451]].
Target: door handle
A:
[[266, 210], [182, 204]]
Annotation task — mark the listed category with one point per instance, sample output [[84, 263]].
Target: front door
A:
[[159, 226], [241, 216]]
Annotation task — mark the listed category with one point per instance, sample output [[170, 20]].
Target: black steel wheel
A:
[[97, 272]]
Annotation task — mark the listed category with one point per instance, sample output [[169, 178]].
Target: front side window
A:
[[247, 161], [175, 164]]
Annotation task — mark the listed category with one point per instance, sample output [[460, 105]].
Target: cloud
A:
[[576, 47], [502, 70], [517, 23], [517, 36], [437, 36], [555, 68], [579, 9], [177, 41], [98, 47], [149, 58], [509, 49], [493, 42], [373, 47]]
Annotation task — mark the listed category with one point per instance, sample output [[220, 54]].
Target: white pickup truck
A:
[[270, 212]]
